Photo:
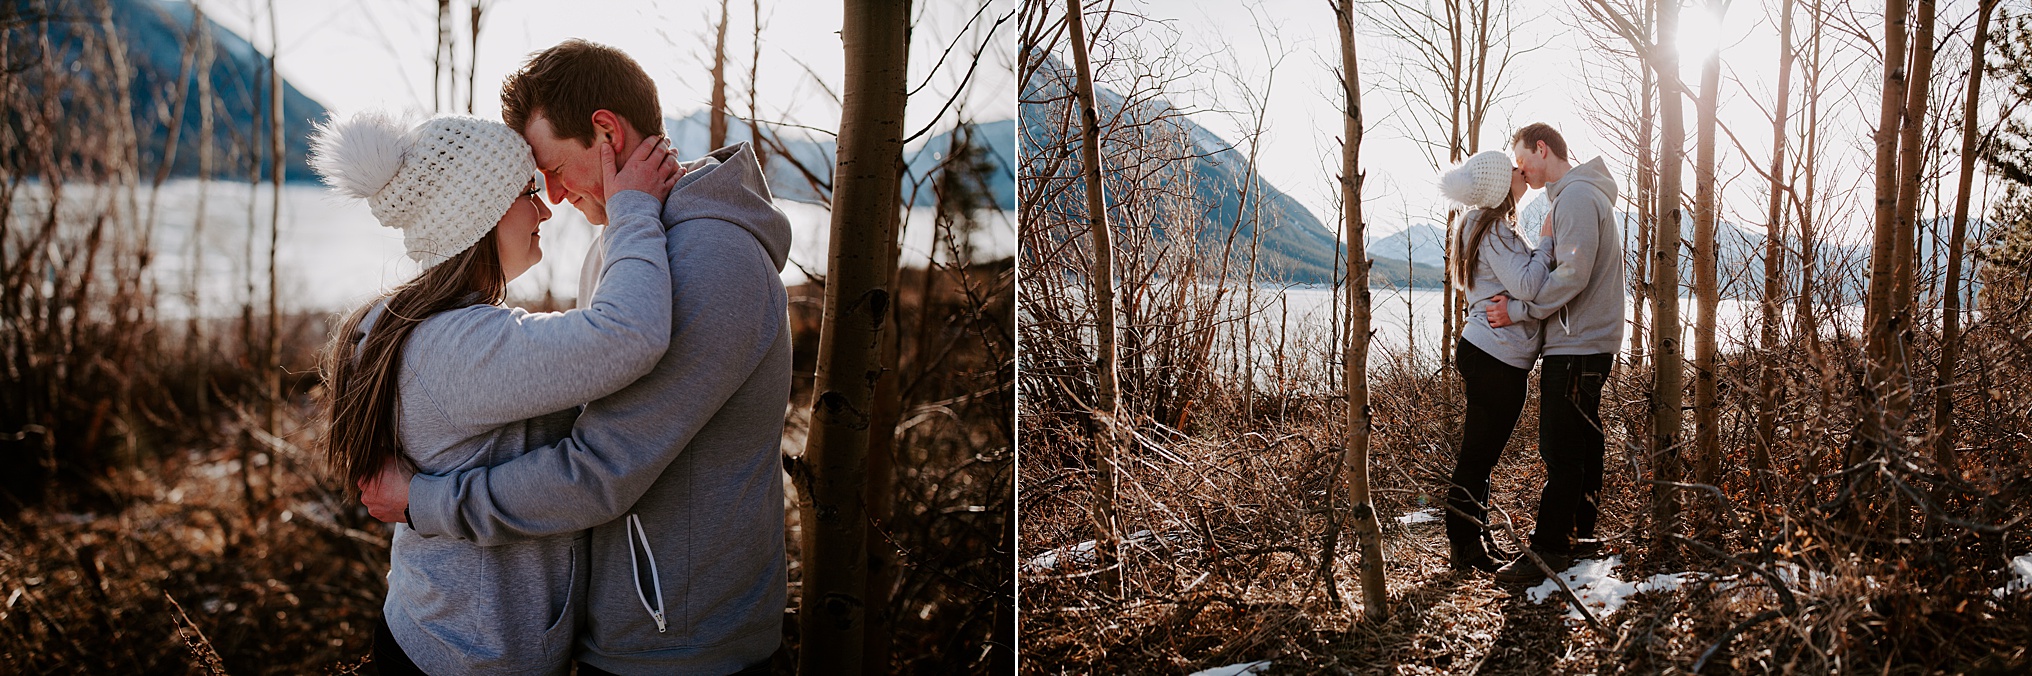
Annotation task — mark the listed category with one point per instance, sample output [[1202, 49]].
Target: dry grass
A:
[[1238, 514], [160, 564]]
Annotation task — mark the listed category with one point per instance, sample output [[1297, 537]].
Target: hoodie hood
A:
[[728, 185], [1594, 172]]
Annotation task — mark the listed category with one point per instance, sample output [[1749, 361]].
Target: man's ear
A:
[[607, 129]]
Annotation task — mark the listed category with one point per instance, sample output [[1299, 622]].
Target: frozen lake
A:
[[332, 253], [1400, 318]]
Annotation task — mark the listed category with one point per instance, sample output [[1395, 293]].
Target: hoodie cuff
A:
[[430, 504], [633, 203]]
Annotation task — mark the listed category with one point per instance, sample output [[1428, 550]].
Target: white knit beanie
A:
[[444, 183], [1481, 182]]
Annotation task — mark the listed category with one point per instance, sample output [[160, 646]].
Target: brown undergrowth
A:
[[1236, 512], [166, 561]]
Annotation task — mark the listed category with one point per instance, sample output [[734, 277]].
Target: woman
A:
[[1494, 363], [440, 374]]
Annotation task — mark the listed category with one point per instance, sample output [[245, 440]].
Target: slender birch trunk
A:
[[1774, 248], [1912, 160], [1706, 286], [1103, 281], [472, 66], [1666, 461], [1647, 192], [717, 129], [275, 175], [754, 114], [832, 618], [1950, 332], [194, 338], [1883, 243], [1368, 532], [1808, 324]]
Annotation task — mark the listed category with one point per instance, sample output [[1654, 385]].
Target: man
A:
[[678, 475], [1582, 307]]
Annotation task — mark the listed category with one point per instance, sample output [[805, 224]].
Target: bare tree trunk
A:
[[754, 105], [832, 616], [1809, 327], [1255, 206], [1706, 288], [1808, 324], [1883, 244], [1336, 325], [1774, 248], [1368, 532], [1103, 280], [473, 65], [441, 58], [1950, 332], [888, 411], [194, 340], [717, 128], [1667, 463], [251, 356], [1647, 192], [1912, 160], [275, 174]]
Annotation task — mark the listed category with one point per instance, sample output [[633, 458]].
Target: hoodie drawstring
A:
[[637, 533]]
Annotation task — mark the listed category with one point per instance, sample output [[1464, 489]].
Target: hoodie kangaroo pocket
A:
[[567, 610], [561, 613]]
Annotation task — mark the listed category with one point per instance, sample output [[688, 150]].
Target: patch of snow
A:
[[1243, 669], [1595, 582], [1420, 516], [1079, 553], [2021, 568], [1814, 580], [218, 470]]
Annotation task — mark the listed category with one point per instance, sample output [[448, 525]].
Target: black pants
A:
[[1570, 441], [1495, 397], [388, 656]]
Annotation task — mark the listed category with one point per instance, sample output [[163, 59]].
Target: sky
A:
[[353, 54], [1300, 151]]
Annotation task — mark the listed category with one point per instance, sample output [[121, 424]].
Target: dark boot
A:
[[1525, 571], [1473, 557]]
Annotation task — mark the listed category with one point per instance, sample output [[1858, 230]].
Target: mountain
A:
[[1295, 245], [1422, 243], [154, 32], [995, 141]]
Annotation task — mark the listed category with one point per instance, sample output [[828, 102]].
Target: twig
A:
[[194, 639]]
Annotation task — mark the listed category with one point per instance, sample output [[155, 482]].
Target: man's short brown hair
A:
[[570, 81], [1533, 134]]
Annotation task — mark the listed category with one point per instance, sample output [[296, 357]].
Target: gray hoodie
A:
[[1503, 264], [678, 475], [481, 385], [1582, 299]]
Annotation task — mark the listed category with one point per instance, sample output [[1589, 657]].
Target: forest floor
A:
[[157, 558], [1227, 530]]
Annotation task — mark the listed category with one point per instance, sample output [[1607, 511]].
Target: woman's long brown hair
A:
[[360, 377], [1471, 247]]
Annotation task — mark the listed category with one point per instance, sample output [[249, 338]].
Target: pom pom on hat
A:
[[357, 156], [445, 183], [1480, 182]]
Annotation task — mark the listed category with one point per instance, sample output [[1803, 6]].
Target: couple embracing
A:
[[1558, 304], [601, 487]]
